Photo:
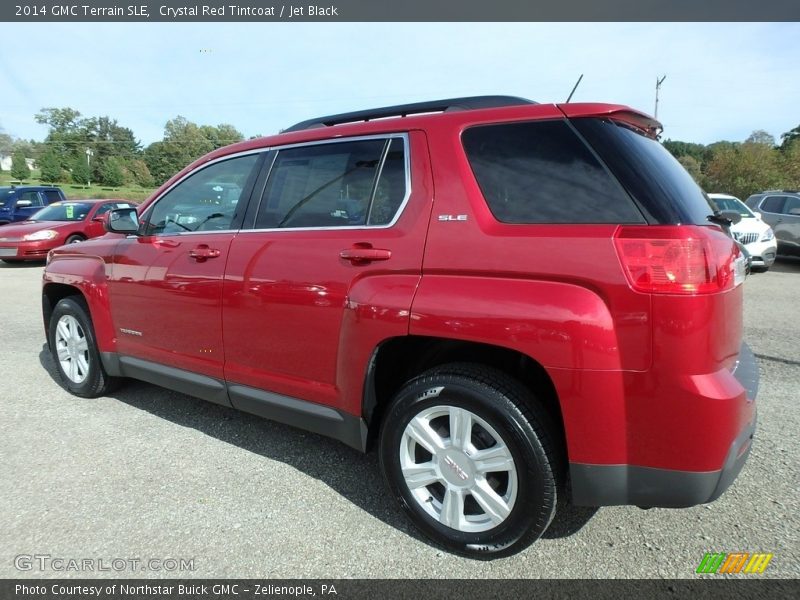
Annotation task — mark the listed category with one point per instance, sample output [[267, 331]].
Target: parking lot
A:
[[151, 474]]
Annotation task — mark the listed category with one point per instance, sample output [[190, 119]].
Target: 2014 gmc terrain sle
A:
[[512, 301]]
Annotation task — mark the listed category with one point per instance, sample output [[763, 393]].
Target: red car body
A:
[[649, 388], [14, 242]]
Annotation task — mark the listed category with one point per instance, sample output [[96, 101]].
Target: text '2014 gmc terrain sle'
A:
[[512, 301]]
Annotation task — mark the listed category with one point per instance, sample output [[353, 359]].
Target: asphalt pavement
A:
[[149, 475]]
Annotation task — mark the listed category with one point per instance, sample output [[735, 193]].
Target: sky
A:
[[724, 80]]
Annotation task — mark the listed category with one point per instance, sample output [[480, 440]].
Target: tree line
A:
[[115, 157], [743, 168], [118, 158]]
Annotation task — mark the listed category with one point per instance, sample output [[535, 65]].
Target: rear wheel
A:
[[74, 350], [469, 460]]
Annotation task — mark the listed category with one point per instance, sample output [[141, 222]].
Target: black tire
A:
[[75, 238], [95, 382], [511, 410]]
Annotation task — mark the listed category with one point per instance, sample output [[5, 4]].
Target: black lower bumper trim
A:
[[609, 485]]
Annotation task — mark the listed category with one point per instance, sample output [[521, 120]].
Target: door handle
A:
[[361, 254], [202, 253]]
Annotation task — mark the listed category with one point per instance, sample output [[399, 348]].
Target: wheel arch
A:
[[85, 277], [399, 359], [52, 294]]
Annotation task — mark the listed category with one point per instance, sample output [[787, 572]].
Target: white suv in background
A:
[[756, 236]]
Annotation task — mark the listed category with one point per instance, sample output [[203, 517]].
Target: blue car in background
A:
[[18, 203]]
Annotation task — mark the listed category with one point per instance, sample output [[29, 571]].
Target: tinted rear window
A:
[[52, 196], [541, 172], [773, 204], [658, 182]]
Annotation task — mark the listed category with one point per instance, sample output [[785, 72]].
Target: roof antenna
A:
[[577, 83]]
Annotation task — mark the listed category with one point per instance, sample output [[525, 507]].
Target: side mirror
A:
[[24, 203], [122, 220], [757, 215]]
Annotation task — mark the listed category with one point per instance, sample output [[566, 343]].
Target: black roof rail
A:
[[403, 110]]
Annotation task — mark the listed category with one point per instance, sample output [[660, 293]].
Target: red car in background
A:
[[58, 224]]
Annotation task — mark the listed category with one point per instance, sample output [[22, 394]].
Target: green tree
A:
[[744, 169], [64, 136], [50, 167], [790, 165], [221, 135], [138, 173], [692, 165], [789, 137], [6, 143], [112, 174], [80, 170], [759, 136], [678, 149], [184, 142], [19, 166]]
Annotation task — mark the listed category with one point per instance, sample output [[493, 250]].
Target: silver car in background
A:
[[751, 231], [781, 210]]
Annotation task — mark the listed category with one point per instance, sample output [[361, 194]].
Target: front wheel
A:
[[75, 239], [470, 461], [74, 350]]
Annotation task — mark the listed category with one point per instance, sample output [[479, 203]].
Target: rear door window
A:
[[792, 206], [773, 204], [52, 196], [542, 172]]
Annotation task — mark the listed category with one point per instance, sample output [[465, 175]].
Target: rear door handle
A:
[[363, 254], [202, 253]]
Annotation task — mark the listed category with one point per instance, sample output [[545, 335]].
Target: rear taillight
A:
[[679, 259]]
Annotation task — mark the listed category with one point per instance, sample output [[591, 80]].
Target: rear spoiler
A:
[[617, 112]]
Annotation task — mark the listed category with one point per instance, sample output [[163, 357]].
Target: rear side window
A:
[[773, 204], [792, 205], [648, 172], [542, 172], [355, 183], [52, 196]]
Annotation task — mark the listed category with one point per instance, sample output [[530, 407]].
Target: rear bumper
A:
[[608, 485]]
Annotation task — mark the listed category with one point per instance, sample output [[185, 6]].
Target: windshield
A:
[[733, 204], [5, 197], [63, 211]]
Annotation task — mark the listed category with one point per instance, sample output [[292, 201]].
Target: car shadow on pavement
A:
[[786, 264], [355, 476]]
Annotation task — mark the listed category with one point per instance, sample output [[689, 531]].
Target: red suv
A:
[[512, 301]]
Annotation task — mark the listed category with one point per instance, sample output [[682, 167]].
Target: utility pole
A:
[[658, 87], [89, 153]]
